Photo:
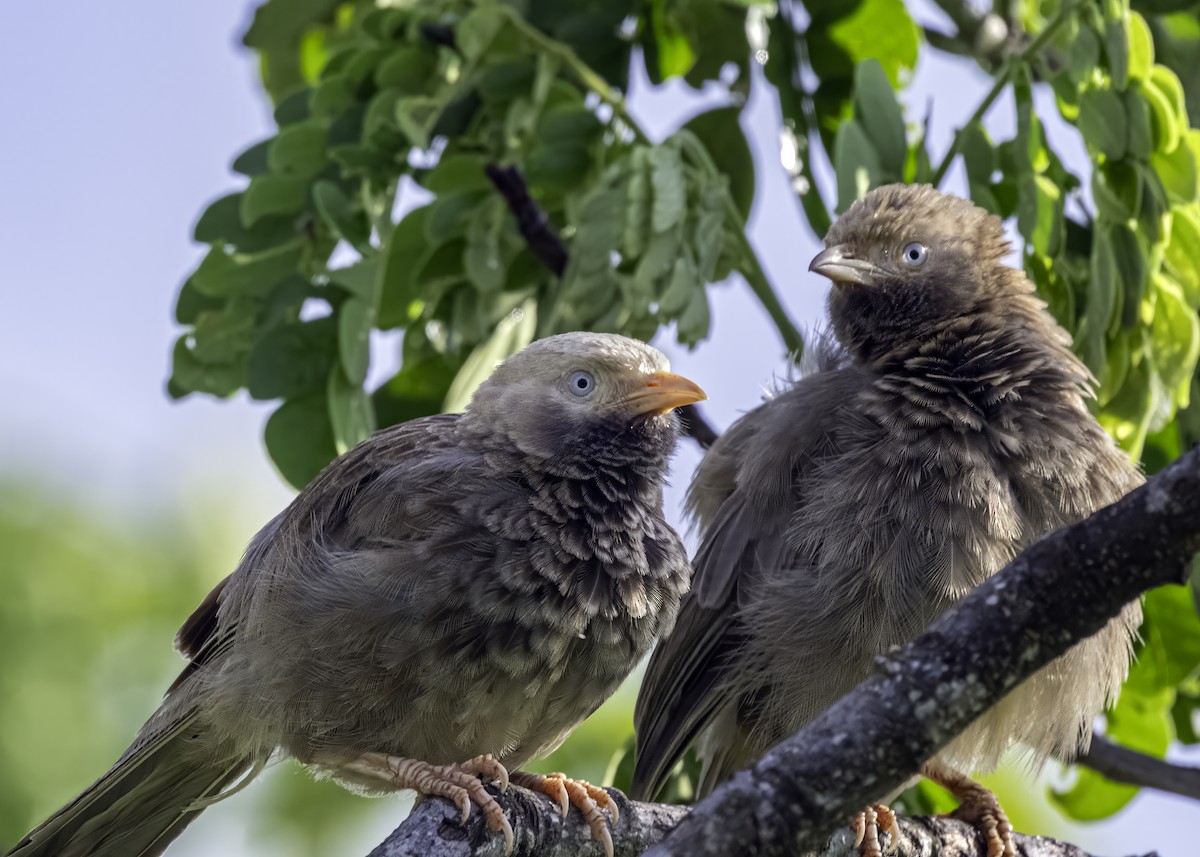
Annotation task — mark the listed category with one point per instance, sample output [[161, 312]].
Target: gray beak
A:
[[839, 265]]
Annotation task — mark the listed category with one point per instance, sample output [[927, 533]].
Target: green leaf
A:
[[1102, 122], [659, 258], [512, 334], [1175, 336], [1127, 417], [881, 29], [879, 114], [331, 97], [415, 116], [1117, 188], [1132, 272], [1084, 55], [476, 31], [1046, 232], [856, 163], [637, 205], [1101, 301], [979, 156], [362, 279], [1170, 651], [678, 294], [407, 70], [483, 262], [405, 248], [253, 161], [351, 412], [1168, 116], [191, 302], [721, 133], [1178, 170], [342, 216], [1116, 49], [694, 323], [1141, 47], [298, 151], [221, 222], [1182, 254], [222, 274], [501, 83], [299, 438], [191, 375], [293, 108], [449, 215], [668, 183], [356, 320], [675, 53], [224, 335], [292, 359], [1139, 131], [458, 172], [271, 194]]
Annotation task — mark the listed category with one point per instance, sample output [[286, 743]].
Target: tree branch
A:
[[1122, 765], [549, 249], [434, 830], [1057, 592]]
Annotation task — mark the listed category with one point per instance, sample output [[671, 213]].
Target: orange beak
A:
[[663, 391]]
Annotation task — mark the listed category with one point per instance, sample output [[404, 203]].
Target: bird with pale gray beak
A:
[[444, 602], [945, 429]]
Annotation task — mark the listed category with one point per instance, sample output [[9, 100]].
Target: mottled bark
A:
[[433, 830]]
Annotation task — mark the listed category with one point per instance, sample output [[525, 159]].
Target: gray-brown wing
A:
[[743, 497], [322, 507]]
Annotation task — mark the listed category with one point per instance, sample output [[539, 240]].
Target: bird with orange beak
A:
[[443, 603]]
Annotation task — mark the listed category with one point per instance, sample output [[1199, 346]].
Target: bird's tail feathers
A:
[[146, 799]]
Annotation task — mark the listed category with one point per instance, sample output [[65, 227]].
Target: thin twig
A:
[[532, 222], [1002, 80], [1122, 765]]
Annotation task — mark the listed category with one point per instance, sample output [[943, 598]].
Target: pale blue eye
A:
[[581, 383], [915, 254]]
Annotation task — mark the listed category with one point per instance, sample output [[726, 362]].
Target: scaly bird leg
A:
[[977, 806], [459, 783], [867, 826], [589, 799]]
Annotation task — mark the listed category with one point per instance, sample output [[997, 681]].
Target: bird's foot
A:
[[459, 782], [869, 823], [589, 799], [978, 807]]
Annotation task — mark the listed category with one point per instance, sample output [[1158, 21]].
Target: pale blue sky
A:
[[119, 123]]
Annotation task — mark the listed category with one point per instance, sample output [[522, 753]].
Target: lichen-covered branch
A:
[[1059, 591], [434, 830]]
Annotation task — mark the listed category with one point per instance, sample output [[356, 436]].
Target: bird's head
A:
[[585, 396], [907, 259]]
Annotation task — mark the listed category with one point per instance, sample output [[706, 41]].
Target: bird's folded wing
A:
[[743, 496], [686, 681], [325, 509]]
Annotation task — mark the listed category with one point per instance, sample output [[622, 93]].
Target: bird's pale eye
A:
[[915, 254], [581, 383]]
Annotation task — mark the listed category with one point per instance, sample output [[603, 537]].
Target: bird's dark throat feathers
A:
[[992, 350]]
